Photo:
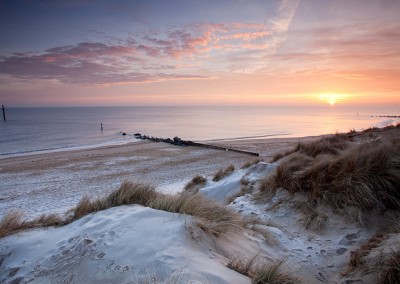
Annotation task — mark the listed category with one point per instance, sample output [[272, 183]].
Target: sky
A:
[[199, 52]]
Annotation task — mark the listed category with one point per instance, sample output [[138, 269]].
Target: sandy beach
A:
[[307, 242], [54, 182]]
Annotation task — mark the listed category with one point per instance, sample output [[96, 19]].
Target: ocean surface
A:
[[28, 130]]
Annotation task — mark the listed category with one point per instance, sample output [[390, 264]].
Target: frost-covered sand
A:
[[135, 244], [54, 182]]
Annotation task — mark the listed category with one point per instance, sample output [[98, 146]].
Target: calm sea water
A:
[[42, 129]]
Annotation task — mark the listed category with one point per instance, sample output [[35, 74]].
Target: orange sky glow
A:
[[232, 53]]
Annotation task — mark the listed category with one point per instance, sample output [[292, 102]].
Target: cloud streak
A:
[[127, 60], [339, 49]]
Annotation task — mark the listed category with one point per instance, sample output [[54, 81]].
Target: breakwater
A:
[[180, 142]]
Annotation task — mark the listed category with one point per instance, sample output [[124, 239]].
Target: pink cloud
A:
[[79, 69], [91, 49], [125, 60], [248, 35], [150, 50]]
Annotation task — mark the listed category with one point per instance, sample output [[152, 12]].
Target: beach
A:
[[243, 218], [55, 182]]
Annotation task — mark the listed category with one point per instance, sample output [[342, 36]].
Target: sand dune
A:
[[314, 242]]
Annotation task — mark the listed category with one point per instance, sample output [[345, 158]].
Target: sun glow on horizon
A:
[[333, 98]]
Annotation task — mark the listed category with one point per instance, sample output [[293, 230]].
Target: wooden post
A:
[[4, 112], [101, 126]]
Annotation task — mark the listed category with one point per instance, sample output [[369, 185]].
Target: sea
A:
[[47, 129]]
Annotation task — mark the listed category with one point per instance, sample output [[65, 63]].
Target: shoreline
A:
[[219, 142], [134, 140]]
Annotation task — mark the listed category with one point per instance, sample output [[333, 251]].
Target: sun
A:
[[332, 98]]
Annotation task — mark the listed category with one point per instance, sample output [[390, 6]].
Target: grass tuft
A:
[[220, 174], [265, 186], [46, 220], [273, 274], [11, 223], [286, 175], [250, 163], [357, 257], [243, 266], [128, 193], [328, 145], [364, 176], [87, 206], [371, 129], [196, 182], [262, 272], [211, 217], [314, 220], [331, 145], [14, 222], [390, 274], [131, 193]]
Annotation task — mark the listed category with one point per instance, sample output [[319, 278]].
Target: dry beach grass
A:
[[220, 174], [261, 271], [390, 273], [362, 175], [197, 181], [211, 217], [14, 222], [356, 174]]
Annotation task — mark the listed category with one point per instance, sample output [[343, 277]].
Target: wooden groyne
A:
[[387, 116], [222, 148], [179, 142]]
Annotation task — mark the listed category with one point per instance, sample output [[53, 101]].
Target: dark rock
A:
[[177, 141], [123, 133]]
